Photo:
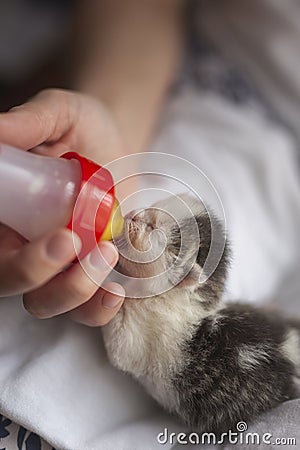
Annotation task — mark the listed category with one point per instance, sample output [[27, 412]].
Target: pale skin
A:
[[132, 49]]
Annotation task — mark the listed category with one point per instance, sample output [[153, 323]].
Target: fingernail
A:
[[111, 300], [103, 257], [61, 246]]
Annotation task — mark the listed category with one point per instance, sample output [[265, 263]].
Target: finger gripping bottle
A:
[[39, 194]]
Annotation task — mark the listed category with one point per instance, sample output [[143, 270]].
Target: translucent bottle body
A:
[[37, 193]]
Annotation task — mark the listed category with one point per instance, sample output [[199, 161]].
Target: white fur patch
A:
[[145, 338], [291, 347], [251, 356]]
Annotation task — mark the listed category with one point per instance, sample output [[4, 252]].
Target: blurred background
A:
[[35, 38]]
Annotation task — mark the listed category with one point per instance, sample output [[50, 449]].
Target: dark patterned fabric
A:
[[15, 437]]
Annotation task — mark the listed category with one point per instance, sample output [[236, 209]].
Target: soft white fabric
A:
[[54, 375], [55, 380]]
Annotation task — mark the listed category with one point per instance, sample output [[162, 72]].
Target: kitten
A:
[[210, 364]]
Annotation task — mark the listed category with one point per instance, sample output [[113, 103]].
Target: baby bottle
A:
[[39, 194]]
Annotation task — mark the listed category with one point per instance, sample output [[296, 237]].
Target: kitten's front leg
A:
[[123, 340], [132, 336], [145, 339]]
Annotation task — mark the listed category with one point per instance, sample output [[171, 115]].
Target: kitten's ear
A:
[[192, 278]]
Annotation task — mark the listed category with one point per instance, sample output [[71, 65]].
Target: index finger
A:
[[47, 117], [73, 287]]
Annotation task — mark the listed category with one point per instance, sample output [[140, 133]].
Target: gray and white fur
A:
[[210, 364]]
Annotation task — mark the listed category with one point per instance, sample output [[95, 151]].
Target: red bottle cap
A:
[[94, 203]]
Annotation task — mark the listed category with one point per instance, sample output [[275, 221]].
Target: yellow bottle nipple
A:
[[115, 224]]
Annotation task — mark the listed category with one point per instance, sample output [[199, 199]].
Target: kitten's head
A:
[[176, 243]]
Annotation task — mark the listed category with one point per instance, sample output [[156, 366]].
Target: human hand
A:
[[55, 122]]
